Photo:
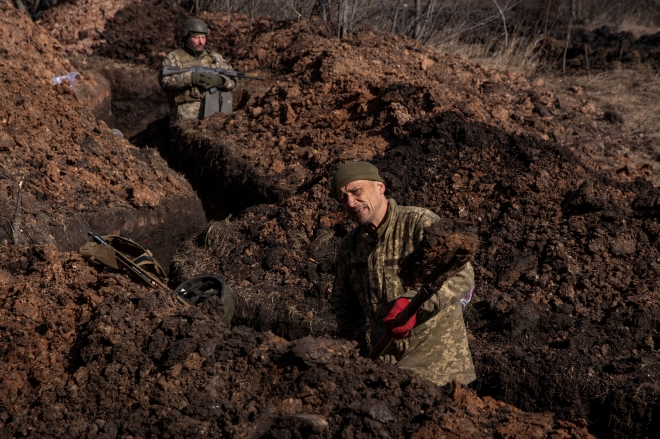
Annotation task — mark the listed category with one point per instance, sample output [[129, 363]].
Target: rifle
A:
[[173, 70], [144, 276], [211, 99]]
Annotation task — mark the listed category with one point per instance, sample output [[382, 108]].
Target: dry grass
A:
[[218, 238], [637, 29], [633, 94], [190, 262], [634, 22], [323, 244], [519, 55]]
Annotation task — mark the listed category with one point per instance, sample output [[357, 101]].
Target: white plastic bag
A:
[[68, 77], [465, 300]]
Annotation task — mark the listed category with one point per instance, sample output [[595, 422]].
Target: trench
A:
[[128, 98], [508, 339], [225, 185]]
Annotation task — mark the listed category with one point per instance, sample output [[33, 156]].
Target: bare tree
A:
[[343, 18], [418, 19]]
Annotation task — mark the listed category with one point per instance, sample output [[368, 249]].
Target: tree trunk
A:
[[418, 20], [343, 19]]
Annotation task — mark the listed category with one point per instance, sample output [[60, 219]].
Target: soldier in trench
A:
[[434, 342], [188, 92]]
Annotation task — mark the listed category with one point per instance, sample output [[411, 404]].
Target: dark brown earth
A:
[[603, 48], [95, 355], [444, 250], [563, 324]]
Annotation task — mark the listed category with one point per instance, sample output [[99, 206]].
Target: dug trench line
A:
[[93, 354], [558, 263], [568, 265]]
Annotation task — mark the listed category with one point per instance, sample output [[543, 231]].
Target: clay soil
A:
[[563, 326]]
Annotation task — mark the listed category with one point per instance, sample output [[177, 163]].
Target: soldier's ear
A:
[[381, 187]]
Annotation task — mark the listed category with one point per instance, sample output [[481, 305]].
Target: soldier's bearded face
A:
[[364, 201], [197, 43]]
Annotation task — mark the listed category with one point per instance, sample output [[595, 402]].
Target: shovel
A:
[[445, 248]]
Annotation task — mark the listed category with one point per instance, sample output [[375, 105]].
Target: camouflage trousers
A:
[[439, 353], [185, 111]]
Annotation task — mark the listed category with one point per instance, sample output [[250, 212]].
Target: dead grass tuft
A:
[[218, 238], [520, 55], [323, 244], [202, 255], [191, 261]]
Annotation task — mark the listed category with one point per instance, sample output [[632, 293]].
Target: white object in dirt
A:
[[68, 77], [465, 300]]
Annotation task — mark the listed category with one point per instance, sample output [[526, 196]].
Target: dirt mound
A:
[[64, 173], [343, 100], [97, 344], [77, 25], [563, 318], [28, 45], [601, 48], [360, 89], [567, 256], [567, 273], [557, 260]]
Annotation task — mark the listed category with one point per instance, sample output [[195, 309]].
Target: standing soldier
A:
[[192, 95], [433, 343]]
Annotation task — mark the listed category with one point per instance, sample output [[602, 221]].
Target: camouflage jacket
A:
[[184, 98], [367, 285]]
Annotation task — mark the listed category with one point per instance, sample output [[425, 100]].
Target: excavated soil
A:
[[564, 317], [602, 48], [93, 355], [563, 323], [444, 250], [63, 172]]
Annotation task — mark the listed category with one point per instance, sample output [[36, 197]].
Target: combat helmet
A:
[[197, 290], [193, 26]]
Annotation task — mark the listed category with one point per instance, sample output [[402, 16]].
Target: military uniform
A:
[[185, 99], [367, 285]]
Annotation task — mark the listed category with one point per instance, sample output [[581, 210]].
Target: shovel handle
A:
[[410, 310]]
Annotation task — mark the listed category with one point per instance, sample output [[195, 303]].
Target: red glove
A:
[[399, 332]]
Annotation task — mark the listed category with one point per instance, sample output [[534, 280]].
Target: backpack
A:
[[192, 292], [101, 256]]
